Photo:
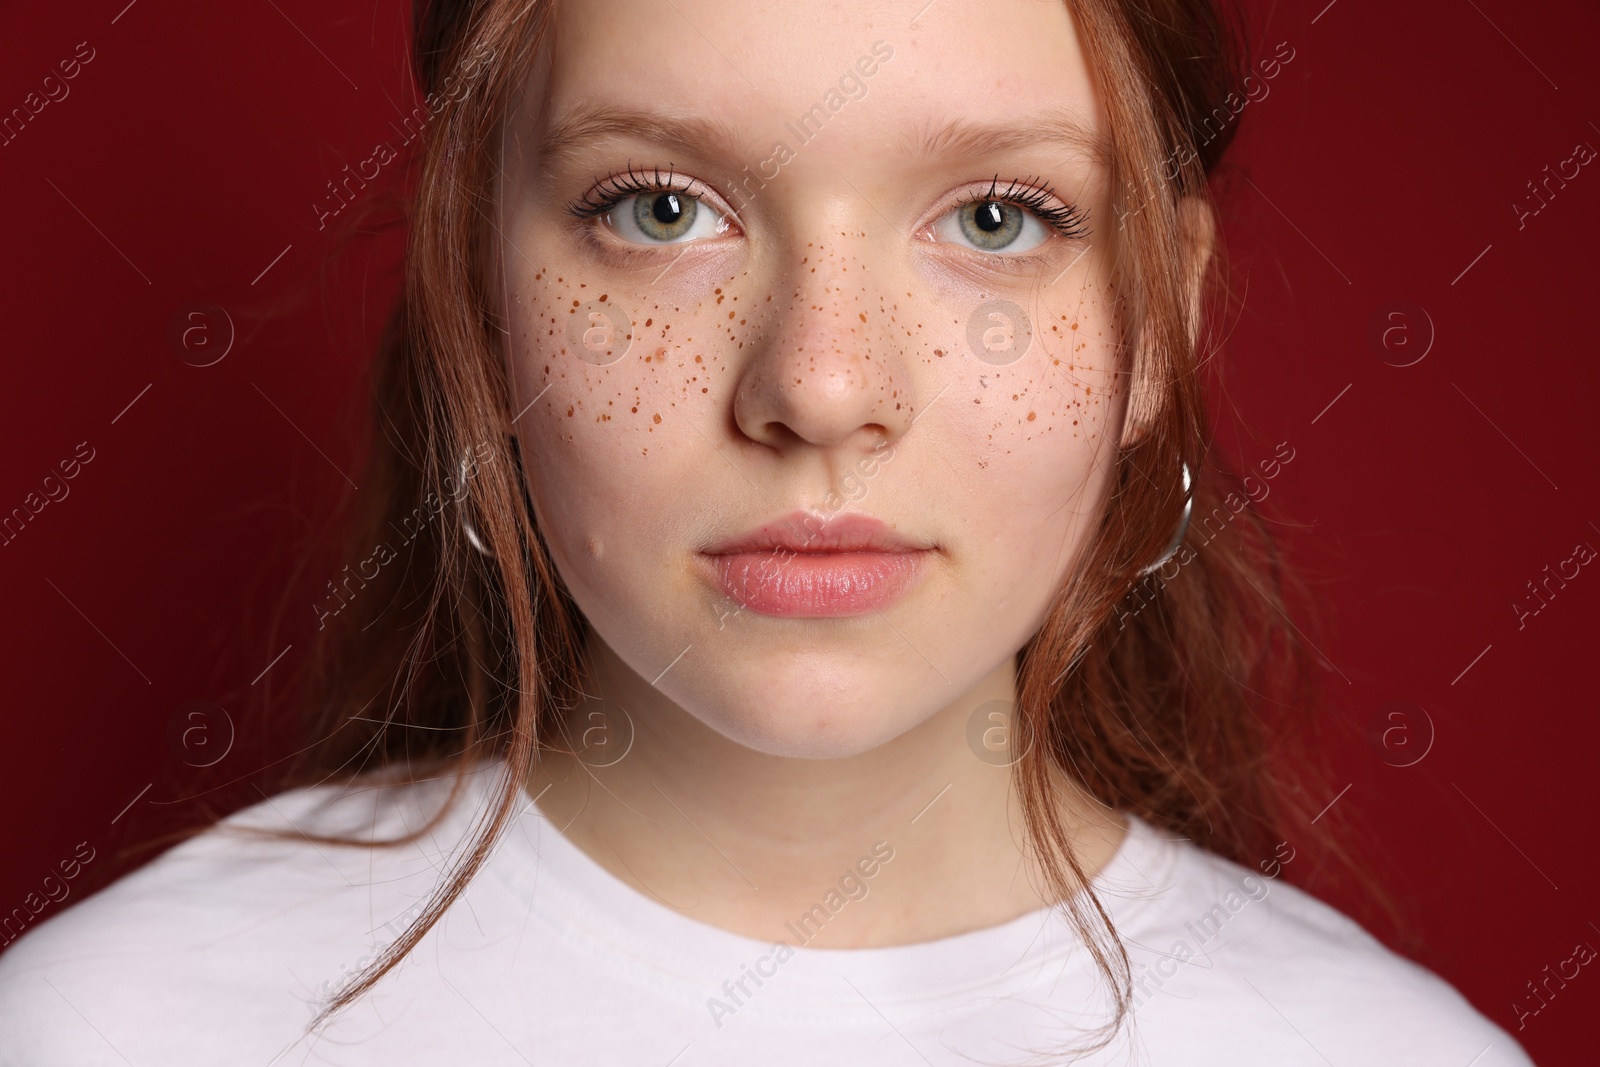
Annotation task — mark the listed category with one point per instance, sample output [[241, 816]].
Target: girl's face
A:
[[841, 259]]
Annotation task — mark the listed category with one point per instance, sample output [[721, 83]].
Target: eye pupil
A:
[[990, 216], [667, 208]]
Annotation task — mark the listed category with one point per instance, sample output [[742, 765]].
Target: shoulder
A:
[[1214, 943], [232, 931]]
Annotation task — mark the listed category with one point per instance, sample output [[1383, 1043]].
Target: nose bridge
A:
[[829, 366]]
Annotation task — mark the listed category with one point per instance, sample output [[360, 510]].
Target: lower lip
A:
[[817, 584]]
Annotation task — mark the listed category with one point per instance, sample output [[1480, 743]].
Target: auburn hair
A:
[[1182, 712]]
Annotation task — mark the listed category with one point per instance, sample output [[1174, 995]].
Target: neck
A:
[[914, 840]]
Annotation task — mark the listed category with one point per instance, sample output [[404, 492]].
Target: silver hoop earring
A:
[[466, 527], [1183, 526]]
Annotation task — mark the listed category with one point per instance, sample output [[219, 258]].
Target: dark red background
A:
[[1385, 159]]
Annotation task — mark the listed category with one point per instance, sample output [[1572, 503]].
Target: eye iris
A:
[[664, 216], [991, 224]]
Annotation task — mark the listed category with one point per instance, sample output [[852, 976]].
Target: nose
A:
[[827, 370]]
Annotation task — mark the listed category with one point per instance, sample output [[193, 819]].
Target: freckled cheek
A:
[[611, 431], [606, 364], [1078, 350], [1056, 400], [1043, 450], [610, 439]]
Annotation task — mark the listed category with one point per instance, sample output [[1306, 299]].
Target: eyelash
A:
[[1031, 194], [610, 192], [1036, 195]]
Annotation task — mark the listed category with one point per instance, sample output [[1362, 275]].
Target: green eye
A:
[[991, 225], [646, 208], [666, 216], [996, 226]]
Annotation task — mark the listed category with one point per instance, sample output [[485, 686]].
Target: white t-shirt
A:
[[214, 953]]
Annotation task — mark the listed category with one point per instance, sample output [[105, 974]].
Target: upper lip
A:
[[803, 531]]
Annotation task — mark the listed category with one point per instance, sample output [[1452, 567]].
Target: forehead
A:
[[899, 77]]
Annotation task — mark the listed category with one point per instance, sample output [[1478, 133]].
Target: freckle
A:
[[648, 321], [574, 304], [569, 412], [657, 418], [1032, 416], [603, 297], [634, 409], [938, 353]]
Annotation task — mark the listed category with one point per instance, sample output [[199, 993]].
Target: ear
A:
[[1197, 233]]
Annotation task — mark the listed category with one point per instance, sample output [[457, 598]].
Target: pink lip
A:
[[805, 566]]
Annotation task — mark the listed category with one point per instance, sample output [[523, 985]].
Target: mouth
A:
[[806, 566]]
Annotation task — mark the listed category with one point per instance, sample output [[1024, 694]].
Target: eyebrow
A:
[[590, 121], [960, 137], [954, 137]]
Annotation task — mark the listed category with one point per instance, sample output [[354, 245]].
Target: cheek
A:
[[614, 393], [1037, 441], [1057, 398], [1035, 427]]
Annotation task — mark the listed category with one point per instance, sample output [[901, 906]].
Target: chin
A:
[[799, 721]]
